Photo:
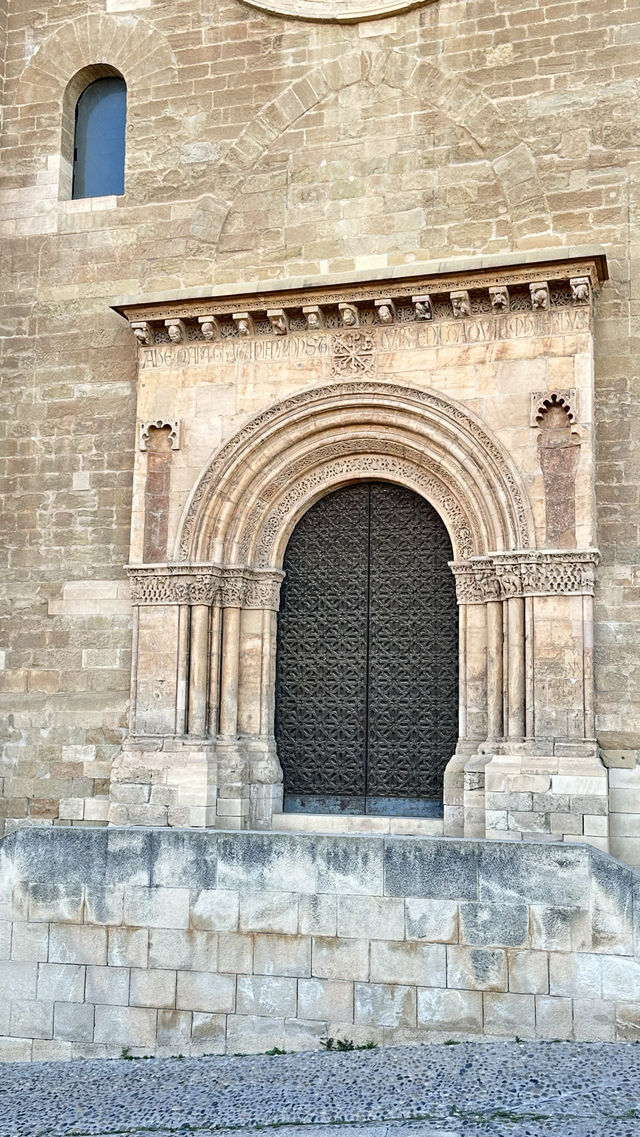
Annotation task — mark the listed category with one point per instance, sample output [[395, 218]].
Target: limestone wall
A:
[[181, 942], [265, 147]]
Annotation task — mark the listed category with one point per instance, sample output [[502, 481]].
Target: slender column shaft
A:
[[267, 685], [462, 670], [494, 669], [214, 669], [529, 662], [229, 672], [587, 625], [515, 611], [198, 669], [182, 673], [133, 698]]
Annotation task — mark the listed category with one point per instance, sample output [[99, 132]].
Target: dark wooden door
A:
[[366, 688]]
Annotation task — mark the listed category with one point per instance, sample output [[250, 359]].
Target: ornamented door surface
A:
[[366, 693]]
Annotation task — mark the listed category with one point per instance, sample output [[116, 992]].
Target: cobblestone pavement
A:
[[466, 1090]]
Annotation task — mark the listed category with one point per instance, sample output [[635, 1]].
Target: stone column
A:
[[516, 682], [182, 669], [198, 669], [494, 670], [229, 670]]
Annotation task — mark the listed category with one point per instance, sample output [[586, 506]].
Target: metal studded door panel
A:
[[413, 648], [366, 691], [322, 649]]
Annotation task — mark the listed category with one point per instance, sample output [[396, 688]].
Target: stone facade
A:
[[349, 248]]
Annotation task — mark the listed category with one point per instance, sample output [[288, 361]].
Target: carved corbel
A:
[[314, 317], [244, 323], [460, 303], [540, 299], [580, 289], [386, 310], [279, 321], [160, 424], [177, 330], [423, 307], [142, 331], [209, 327], [499, 298], [349, 315]]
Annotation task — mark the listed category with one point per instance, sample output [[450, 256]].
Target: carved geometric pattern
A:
[[366, 699], [449, 411], [352, 353]]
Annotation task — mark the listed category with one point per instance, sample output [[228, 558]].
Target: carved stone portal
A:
[[369, 395]]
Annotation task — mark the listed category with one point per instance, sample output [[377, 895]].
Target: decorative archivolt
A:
[[263, 479]]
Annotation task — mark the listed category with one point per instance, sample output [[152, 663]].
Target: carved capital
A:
[[476, 583], [232, 587], [168, 584], [526, 573], [262, 589]]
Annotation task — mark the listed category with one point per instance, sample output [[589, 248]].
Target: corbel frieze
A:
[[226, 586], [526, 573]]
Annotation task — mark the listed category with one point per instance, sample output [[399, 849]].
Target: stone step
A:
[[349, 823]]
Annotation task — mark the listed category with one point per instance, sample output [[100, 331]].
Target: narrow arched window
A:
[[98, 153]]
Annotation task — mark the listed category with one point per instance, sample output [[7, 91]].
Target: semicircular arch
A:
[[256, 487]]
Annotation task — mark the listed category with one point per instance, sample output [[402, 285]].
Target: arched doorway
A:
[[367, 656]]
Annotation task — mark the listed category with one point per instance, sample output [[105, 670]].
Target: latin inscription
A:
[[446, 333]]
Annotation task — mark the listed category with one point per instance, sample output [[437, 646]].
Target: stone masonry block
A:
[[507, 1014], [423, 965], [104, 904], [73, 1022], [69, 943], [385, 1004], [476, 969], [215, 910], [61, 982], [325, 1000], [333, 958], [55, 902], [108, 985], [528, 972], [554, 1017], [619, 977], [183, 950], [447, 1010], [594, 1020], [277, 862], [18, 980], [128, 857], [373, 917], [128, 947], [235, 953], [266, 995], [349, 866], [29, 942], [152, 988], [204, 991], [554, 928], [318, 915], [251, 1034], [282, 955], [31, 1018], [575, 975], [157, 907], [539, 874], [174, 1030], [493, 924], [432, 870], [269, 912], [125, 1026], [184, 859], [627, 1022], [434, 920], [208, 1033]]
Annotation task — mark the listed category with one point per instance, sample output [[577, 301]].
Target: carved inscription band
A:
[[528, 573], [221, 585]]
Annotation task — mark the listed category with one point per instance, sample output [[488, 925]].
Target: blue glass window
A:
[[98, 158]]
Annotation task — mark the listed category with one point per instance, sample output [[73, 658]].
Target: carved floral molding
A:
[[528, 573], [225, 586]]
